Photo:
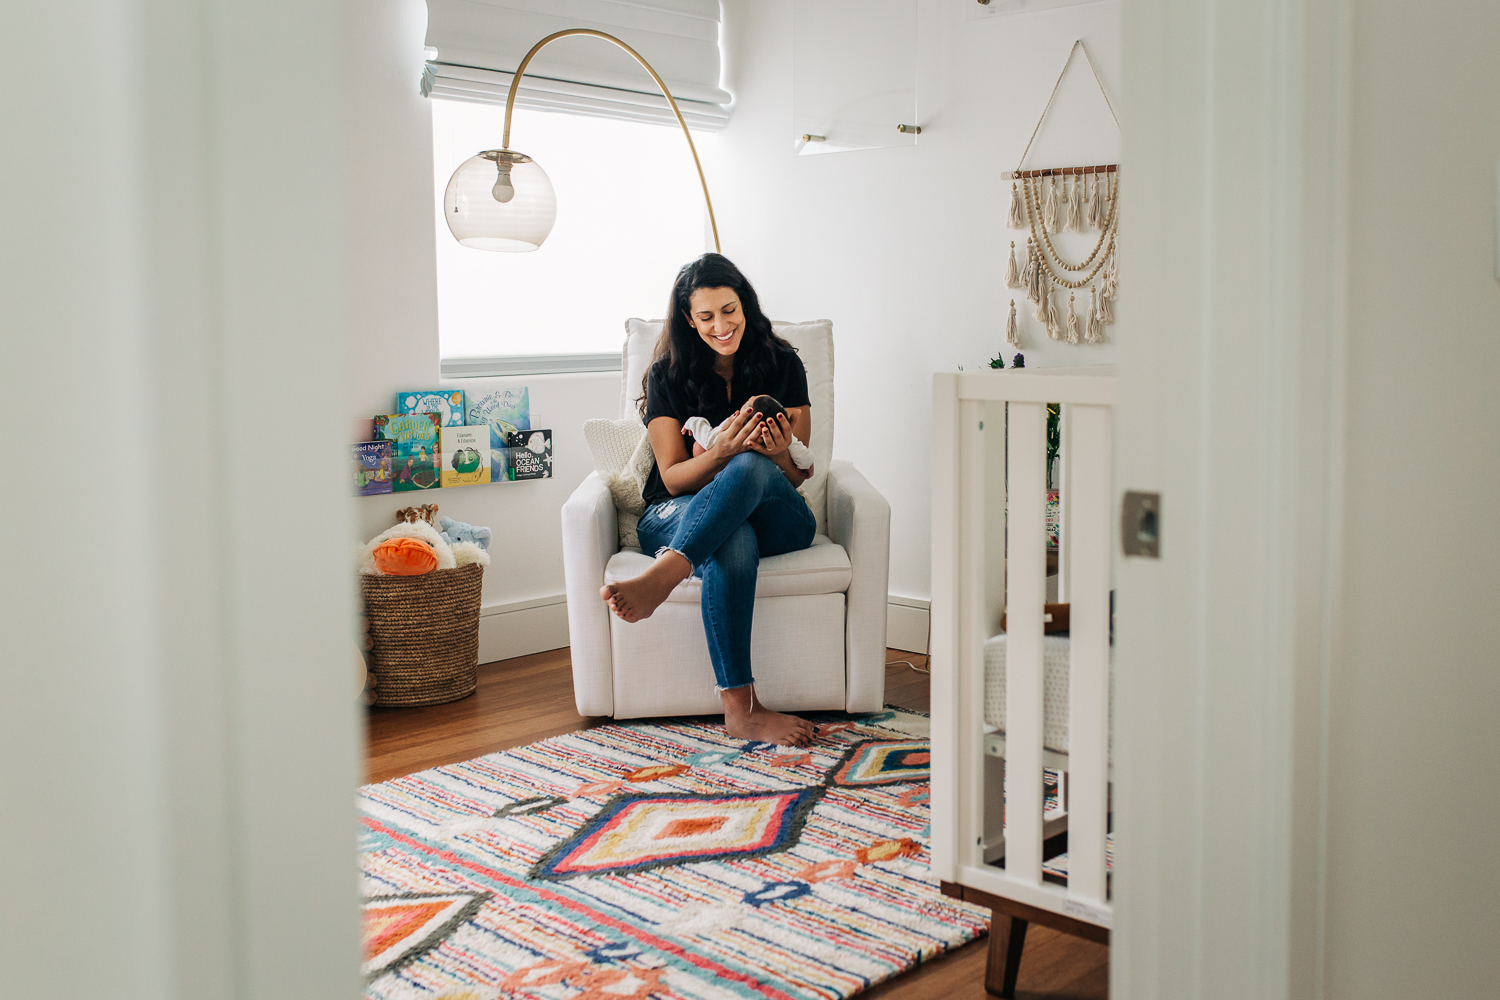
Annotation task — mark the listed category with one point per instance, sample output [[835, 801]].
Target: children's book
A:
[[446, 403], [504, 411], [530, 455], [372, 468], [416, 449], [466, 456]]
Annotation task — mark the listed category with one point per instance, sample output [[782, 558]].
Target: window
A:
[[629, 215]]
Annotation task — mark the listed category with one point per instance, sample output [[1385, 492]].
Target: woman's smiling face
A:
[[716, 315]]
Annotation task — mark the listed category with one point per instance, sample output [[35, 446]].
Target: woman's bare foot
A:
[[636, 598], [745, 718]]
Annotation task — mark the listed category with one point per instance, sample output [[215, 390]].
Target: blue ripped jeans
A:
[[748, 511]]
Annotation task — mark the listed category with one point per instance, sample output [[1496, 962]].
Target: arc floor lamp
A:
[[501, 199]]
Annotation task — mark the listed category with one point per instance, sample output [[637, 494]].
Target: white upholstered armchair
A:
[[819, 635]]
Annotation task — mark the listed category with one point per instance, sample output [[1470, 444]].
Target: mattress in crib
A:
[[1054, 689]]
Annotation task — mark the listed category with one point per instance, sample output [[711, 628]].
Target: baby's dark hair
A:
[[766, 406]]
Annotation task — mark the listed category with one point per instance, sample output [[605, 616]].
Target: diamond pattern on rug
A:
[[829, 909], [397, 929], [871, 763], [635, 833]]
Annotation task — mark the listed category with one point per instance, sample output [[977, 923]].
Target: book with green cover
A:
[[416, 446]]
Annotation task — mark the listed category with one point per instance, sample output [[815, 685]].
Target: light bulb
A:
[[500, 199], [503, 190]]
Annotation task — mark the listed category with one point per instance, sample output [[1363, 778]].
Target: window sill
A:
[[529, 364]]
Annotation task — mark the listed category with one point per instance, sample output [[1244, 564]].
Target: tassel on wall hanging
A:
[[1078, 199], [1031, 275]]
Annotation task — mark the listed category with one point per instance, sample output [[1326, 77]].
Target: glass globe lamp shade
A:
[[500, 200]]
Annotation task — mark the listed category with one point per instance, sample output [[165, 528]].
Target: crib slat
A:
[[947, 805], [1089, 459], [971, 630], [1025, 589]]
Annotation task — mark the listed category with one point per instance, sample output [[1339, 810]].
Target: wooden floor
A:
[[529, 698]]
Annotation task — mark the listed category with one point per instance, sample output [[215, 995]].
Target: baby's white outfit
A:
[[706, 434]]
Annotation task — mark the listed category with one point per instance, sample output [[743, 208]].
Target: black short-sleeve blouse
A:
[[668, 397]]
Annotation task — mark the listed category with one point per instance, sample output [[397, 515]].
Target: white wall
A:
[[1307, 680], [393, 340], [1414, 744], [903, 248], [178, 741]]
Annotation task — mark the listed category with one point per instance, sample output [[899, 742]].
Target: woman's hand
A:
[[744, 428], [775, 437]]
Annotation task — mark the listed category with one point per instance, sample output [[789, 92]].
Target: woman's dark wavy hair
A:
[[681, 355]]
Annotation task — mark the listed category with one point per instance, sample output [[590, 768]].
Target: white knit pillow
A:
[[623, 458]]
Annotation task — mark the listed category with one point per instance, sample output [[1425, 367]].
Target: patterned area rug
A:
[[664, 860]]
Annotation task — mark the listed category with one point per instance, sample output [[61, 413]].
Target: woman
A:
[[718, 513]]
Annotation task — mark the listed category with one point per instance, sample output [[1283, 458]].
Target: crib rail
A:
[[962, 404]]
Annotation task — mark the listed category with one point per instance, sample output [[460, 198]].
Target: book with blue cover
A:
[[416, 448], [505, 412], [446, 403]]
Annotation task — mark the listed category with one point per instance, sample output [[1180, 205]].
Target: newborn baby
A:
[[705, 434]]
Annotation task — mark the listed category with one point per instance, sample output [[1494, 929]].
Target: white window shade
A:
[[480, 43]]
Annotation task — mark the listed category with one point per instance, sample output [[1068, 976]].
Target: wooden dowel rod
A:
[[1104, 168]]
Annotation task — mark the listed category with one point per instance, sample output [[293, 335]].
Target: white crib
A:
[[972, 570]]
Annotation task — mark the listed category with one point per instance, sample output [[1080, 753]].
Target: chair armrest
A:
[[590, 535], [859, 519]]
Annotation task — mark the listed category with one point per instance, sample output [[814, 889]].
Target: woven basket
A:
[[426, 635]]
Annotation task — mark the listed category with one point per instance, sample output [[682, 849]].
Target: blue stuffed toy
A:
[[457, 531]]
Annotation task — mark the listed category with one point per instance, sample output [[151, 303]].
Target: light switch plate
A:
[[1140, 524]]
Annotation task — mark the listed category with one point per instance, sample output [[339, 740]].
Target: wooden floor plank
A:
[[530, 698]]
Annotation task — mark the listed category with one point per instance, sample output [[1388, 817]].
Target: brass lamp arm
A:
[[515, 85]]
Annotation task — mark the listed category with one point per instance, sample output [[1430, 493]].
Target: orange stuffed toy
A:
[[404, 557]]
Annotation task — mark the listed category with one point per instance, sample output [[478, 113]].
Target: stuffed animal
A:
[[404, 557], [457, 531], [418, 530], [396, 550], [428, 512]]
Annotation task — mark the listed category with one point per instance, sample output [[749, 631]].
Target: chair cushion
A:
[[821, 568], [814, 343]]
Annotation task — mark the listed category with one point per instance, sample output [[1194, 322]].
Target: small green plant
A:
[[997, 362]]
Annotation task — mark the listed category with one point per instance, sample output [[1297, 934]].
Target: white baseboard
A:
[[519, 628], [907, 622]]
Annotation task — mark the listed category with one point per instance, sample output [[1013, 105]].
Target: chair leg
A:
[[1007, 941]]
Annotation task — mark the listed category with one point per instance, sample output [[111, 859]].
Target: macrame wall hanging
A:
[[1063, 199]]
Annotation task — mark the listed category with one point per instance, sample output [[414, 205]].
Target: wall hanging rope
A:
[[1065, 199]]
